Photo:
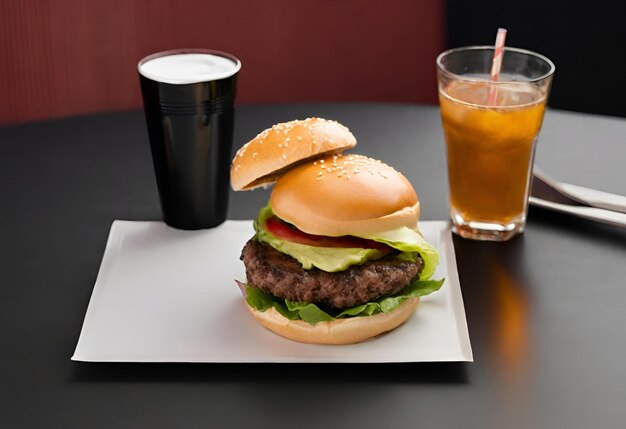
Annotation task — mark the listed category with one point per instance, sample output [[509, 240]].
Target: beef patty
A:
[[283, 276]]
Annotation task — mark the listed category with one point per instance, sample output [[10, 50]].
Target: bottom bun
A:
[[342, 331]]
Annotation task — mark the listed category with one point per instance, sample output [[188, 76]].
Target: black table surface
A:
[[546, 311]]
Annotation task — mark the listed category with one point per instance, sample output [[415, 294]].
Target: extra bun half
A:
[[340, 331], [263, 159], [345, 195]]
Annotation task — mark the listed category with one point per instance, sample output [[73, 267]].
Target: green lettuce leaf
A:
[[409, 241], [333, 259], [262, 301], [330, 259], [312, 314]]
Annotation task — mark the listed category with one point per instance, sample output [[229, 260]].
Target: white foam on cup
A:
[[189, 68]]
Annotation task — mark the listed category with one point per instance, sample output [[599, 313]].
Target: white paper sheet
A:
[[165, 295]]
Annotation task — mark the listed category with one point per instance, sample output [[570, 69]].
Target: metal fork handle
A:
[[592, 213]]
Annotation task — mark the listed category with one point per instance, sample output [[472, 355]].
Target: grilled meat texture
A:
[[283, 276]]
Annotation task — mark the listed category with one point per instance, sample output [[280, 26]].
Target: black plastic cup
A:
[[190, 126]]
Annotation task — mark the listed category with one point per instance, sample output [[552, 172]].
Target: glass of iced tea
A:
[[491, 129]]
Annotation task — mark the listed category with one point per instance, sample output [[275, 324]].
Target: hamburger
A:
[[337, 256]]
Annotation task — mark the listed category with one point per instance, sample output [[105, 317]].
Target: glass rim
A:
[[441, 67], [183, 51]]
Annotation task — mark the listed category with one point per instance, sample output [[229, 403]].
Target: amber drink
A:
[[491, 130]]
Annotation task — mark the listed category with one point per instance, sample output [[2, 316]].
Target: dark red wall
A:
[[67, 57]]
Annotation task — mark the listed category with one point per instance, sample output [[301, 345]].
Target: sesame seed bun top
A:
[[345, 195], [272, 152]]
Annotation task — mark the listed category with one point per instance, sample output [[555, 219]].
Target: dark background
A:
[[586, 41], [64, 58], [68, 57]]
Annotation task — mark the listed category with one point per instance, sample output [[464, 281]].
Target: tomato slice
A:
[[289, 232]]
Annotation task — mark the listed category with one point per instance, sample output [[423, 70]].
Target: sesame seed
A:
[[287, 139], [299, 138], [284, 156]]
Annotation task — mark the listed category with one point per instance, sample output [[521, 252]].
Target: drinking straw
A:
[[496, 65]]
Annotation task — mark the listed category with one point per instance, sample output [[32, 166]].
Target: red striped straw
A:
[[496, 65]]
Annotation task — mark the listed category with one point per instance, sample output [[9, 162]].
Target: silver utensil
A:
[[587, 196], [546, 196], [592, 213]]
